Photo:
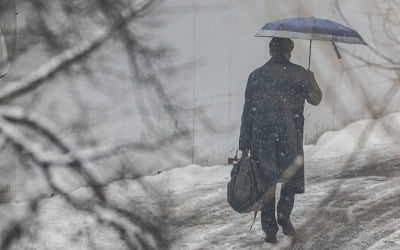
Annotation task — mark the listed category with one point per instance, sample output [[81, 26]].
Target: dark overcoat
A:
[[273, 120]]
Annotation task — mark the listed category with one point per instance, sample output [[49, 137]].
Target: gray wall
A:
[[218, 37], [214, 51]]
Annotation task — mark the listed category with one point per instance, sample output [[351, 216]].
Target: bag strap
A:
[[254, 219]]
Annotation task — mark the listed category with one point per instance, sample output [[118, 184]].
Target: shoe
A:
[[271, 238], [288, 229]]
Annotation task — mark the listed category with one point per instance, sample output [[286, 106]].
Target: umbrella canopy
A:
[[311, 29]]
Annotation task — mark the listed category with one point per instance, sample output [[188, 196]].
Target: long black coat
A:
[[273, 121]]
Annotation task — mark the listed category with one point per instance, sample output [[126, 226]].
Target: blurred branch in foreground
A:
[[39, 142]]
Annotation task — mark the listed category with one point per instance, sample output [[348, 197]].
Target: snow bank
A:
[[357, 136], [370, 133]]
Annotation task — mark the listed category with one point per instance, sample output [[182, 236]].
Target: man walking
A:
[[272, 130]]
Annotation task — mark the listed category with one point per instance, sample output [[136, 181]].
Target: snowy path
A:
[[352, 209], [350, 203]]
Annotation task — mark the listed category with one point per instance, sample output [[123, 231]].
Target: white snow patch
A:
[[358, 135]]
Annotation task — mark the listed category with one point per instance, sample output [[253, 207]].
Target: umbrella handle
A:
[[309, 56]]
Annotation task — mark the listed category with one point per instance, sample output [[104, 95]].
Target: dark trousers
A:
[[284, 209]]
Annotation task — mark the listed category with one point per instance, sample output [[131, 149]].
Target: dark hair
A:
[[280, 45]]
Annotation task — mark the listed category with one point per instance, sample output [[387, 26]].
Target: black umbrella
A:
[[311, 29]]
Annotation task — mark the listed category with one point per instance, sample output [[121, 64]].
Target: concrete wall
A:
[[214, 51], [218, 38]]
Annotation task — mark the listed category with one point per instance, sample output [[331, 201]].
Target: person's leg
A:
[[268, 220], [263, 150], [285, 204], [284, 209]]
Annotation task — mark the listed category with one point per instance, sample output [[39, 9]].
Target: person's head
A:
[[281, 47]]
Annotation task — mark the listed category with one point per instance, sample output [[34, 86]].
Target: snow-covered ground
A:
[[352, 201]]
